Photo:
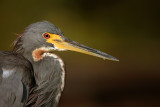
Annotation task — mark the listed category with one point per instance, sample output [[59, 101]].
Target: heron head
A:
[[46, 36]]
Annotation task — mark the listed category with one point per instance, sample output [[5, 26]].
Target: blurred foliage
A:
[[126, 29]]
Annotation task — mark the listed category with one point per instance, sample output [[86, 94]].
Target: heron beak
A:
[[62, 43]]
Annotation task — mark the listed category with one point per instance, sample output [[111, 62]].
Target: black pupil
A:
[[47, 36]]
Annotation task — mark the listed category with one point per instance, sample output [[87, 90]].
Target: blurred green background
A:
[[126, 29]]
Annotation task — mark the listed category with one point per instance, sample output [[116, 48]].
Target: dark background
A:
[[126, 29]]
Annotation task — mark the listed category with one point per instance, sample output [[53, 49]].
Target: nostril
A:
[[57, 40]]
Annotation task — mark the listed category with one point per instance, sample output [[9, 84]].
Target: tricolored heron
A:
[[32, 75]]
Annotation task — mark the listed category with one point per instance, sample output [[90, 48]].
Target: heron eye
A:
[[46, 35]]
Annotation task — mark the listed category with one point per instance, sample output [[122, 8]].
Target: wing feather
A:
[[16, 79]]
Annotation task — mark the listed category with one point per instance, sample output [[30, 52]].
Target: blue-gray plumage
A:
[[49, 71], [16, 79], [32, 75]]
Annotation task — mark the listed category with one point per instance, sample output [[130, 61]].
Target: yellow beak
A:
[[63, 43]]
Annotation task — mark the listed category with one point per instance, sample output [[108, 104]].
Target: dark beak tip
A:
[[116, 60], [112, 59]]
